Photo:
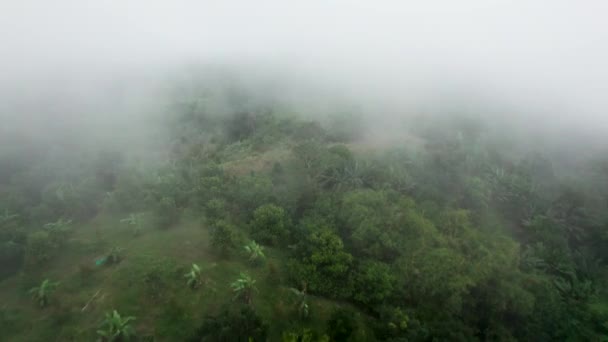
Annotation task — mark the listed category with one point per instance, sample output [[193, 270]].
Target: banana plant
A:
[[41, 293], [243, 288], [58, 225], [58, 231], [194, 276], [116, 328], [255, 252], [303, 309], [135, 221], [7, 217], [8, 226]]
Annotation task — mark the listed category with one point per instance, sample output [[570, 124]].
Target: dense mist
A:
[[524, 63], [317, 171]]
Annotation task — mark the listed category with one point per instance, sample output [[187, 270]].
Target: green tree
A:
[[323, 264], [341, 325], [373, 282], [223, 237], [269, 224]]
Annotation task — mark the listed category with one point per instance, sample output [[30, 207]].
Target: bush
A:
[[249, 191], [269, 224], [10, 229], [322, 262], [373, 283], [223, 237], [215, 209], [11, 258], [166, 213], [39, 248], [239, 324], [341, 325]]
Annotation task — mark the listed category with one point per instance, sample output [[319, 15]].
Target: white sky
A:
[[544, 52]]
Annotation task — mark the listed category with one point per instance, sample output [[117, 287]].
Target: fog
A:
[[541, 65]]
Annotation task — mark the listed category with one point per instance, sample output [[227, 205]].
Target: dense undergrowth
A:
[[257, 225]]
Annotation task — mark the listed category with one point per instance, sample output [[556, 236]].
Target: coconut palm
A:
[[116, 327], [243, 288], [194, 276], [255, 252], [41, 293]]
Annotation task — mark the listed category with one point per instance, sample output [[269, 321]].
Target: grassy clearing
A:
[[147, 283]]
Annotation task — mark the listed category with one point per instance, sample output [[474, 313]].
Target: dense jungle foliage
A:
[[254, 223]]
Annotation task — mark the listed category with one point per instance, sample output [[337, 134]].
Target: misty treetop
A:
[[259, 224]]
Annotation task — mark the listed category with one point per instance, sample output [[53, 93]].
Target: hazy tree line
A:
[[456, 238]]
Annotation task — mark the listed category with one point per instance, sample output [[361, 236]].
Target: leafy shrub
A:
[[215, 209], [395, 324], [41, 293], [167, 213], [114, 256], [249, 191], [11, 258], [150, 277], [223, 237], [269, 224], [341, 325], [255, 253], [193, 277], [373, 282], [322, 262], [11, 321], [236, 323], [10, 229], [58, 231], [303, 335], [39, 248], [135, 221]]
